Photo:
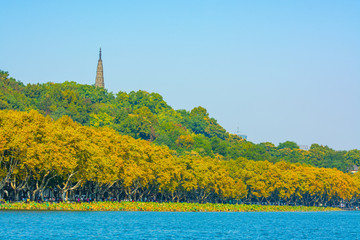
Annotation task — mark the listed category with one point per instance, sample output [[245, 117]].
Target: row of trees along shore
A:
[[45, 158], [147, 116]]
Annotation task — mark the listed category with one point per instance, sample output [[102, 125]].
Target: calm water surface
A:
[[168, 225]]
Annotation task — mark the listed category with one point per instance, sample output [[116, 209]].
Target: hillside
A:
[[147, 116]]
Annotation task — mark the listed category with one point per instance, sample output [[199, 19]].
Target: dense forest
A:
[[147, 116], [69, 140], [43, 158]]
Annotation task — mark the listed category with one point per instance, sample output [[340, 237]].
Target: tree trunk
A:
[[10, 167], [67, 186]]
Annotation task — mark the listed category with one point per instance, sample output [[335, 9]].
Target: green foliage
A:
[[157, 207], [288, 144], [147, 116], [353, 156], [140, 124]]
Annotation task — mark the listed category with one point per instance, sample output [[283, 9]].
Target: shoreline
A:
[[157, 207]]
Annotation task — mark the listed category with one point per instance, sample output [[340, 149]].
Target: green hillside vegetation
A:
[[147, 116]]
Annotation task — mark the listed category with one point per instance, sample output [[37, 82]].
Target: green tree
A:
[[288, 144]]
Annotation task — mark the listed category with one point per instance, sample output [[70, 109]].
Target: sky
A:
[[276, 70]]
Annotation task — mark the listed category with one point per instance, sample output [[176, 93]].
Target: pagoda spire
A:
[[99, 82]]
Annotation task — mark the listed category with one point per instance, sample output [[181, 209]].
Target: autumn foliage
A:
[[41, 158], [147, 116]]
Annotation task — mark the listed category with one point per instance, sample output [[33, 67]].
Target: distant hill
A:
[[147, 116]]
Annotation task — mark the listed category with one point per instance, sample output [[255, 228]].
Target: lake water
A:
[[169, 225]]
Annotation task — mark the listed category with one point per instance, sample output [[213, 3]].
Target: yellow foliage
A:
[[74, 154]]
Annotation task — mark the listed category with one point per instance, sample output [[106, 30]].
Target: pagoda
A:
[[99, 82]]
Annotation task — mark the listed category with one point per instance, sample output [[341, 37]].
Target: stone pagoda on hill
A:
[[99, 82]]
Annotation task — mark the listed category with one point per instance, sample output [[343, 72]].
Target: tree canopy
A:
[[147, 116], [41, 157]]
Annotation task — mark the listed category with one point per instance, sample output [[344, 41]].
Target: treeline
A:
[[45, 158], [147, 116]]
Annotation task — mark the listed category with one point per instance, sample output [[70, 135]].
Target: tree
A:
[[288, 144], [353, 157], [140, 124]]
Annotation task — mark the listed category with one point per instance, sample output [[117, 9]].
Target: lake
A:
[[179, 225]]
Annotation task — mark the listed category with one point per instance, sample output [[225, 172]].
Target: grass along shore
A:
[[156, 207]]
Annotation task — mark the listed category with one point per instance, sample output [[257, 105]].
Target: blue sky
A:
[[278, 70]]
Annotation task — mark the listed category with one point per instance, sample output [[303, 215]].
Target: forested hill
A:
[[147, 116]]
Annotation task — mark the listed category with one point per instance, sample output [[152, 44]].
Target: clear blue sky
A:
[[278, 70]]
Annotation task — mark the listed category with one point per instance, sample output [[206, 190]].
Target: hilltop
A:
[[147, 116]]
